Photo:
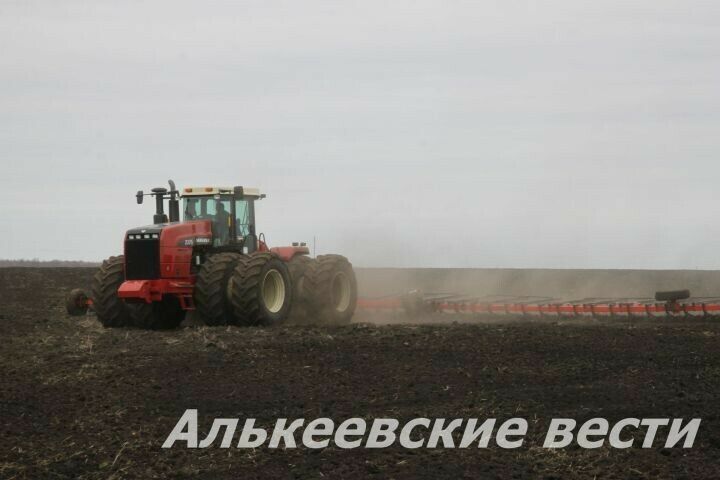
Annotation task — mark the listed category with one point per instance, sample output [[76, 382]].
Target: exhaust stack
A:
[[159, 216]]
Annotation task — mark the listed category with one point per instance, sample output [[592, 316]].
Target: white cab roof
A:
[[204, 191]]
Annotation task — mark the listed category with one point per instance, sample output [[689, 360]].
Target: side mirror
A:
[[139, 197]]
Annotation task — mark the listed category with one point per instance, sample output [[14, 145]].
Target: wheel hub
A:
[[273, 291], [341, 292]]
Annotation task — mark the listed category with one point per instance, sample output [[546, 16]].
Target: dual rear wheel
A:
[[331, 290], [235, 289], [260, 290]]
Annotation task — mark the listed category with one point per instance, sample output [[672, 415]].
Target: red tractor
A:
[[213, 262]]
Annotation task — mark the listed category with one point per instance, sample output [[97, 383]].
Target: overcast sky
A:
[[569, 133]]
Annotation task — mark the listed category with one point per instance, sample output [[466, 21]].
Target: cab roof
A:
[[205, 191]]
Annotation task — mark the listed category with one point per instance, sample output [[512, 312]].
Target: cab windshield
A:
[[218, 209]]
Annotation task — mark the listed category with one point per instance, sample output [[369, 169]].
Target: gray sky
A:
[[466, 134]]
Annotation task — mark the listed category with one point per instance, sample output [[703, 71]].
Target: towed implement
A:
[[676, 304], [212, 261]]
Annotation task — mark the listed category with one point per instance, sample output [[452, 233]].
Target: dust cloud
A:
[[558, 284]]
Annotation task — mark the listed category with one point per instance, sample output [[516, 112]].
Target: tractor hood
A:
[[175, 234], [164, 250]]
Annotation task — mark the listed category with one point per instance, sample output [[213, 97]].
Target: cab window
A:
[[203, 208], [242, 217]]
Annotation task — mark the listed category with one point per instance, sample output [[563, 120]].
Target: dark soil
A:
[[80, 401]]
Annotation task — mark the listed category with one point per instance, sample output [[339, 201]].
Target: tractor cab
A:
[[231, 212]]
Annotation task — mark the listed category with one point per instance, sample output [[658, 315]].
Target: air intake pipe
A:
[[173, 203]]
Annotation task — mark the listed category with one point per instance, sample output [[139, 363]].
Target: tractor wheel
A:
[[261, 290], [111, 310], [332, 289], [157, 315], [76, 302], [211, 289], [298, 267]]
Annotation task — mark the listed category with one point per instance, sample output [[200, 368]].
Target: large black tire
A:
[[157, 315], [211, 289], [332, 290], [298, 266], [261, 290], [76, 302], [111, 310]]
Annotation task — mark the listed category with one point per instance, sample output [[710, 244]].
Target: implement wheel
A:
[[211, 289], [261, 291], [76, 302], [332, 290], [111, 310]]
